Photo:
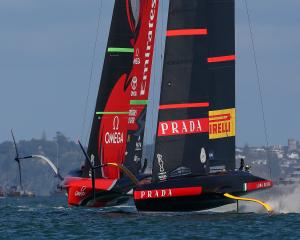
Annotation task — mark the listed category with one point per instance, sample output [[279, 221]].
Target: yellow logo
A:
[[222, 123]]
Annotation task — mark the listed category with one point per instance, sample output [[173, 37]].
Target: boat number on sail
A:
[[115, 137], [183, 127], [162, 175]]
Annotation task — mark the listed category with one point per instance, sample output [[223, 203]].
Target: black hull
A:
[[181, 194], [183, 204]]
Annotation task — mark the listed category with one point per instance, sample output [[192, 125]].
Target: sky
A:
[[46, 53]]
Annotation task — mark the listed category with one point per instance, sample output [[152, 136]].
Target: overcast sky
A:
[[46, 50]]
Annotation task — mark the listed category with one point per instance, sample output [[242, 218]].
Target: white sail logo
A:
[[162, 175], [116, 123], [115, 137], [150, 41], [183, 127], [203, 156]]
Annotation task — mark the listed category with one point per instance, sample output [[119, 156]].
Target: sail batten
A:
[[186, 32], [184, 105]]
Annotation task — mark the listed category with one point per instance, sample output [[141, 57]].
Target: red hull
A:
[[80, 191]]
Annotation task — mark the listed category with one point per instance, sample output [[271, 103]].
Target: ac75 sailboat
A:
[[194, 158]]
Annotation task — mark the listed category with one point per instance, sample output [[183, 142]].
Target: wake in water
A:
[[286, 199], [282, 198]]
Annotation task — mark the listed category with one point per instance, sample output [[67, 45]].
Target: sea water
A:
[[52, 218]]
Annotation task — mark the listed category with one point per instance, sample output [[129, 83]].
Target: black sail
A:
[[115, 65], [196, 123]]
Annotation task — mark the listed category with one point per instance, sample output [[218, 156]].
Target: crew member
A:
[[242, 165]]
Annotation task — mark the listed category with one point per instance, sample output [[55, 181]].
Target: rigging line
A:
[[91, 74], [259, 84]]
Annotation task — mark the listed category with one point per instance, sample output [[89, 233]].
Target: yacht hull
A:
[[196, 193]]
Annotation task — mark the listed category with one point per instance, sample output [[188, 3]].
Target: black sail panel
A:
[[222, 83], [196, 123], [116, 64]]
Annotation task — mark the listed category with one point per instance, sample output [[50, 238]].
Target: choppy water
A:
[[51, 218]]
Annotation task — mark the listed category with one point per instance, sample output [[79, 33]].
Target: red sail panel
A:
[[121, 132], [140, 77]]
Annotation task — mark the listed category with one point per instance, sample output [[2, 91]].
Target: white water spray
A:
[[286, 200], [282, 198]]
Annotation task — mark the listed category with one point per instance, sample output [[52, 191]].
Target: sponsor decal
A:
[[134, 83], [137, 59], [203, 156], [164, 193], [217, 169], [257, 185], [143, 89], [162, 175], [132, 116], [144, 48], [115, 137], [150, 41], [222, 123], [211, 155], [81, 193], [167, 193], [138, 144], [183, 127]]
